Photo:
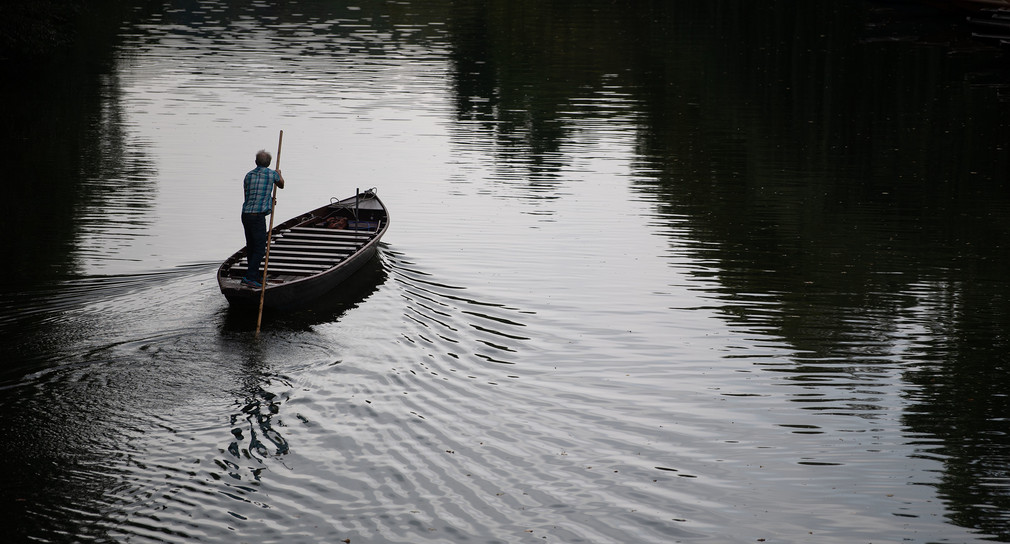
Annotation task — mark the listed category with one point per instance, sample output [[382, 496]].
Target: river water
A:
[[684, 272]]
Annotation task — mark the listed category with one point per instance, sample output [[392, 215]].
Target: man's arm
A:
[[280, 180]]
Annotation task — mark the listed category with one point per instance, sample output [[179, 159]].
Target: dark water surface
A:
[[672, 272]]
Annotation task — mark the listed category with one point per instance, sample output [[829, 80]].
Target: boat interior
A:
[[314, 242]]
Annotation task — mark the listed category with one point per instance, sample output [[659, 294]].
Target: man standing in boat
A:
[[258, 204]]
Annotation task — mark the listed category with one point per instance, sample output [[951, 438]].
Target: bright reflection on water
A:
[[694, 272]]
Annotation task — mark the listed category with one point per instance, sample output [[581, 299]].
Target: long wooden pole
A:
[[266, 257]]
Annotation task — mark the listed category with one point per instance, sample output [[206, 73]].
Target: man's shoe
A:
[[251, 283]]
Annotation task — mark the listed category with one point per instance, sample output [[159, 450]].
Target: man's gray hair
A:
[[263, 158]]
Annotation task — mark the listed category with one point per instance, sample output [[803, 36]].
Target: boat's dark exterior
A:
[[311, 254]]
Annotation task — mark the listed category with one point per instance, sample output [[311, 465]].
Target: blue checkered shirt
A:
[[259, 185]]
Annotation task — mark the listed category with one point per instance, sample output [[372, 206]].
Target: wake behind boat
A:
[[311, 254]]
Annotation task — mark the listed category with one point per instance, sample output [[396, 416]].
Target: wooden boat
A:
[[311, 254]]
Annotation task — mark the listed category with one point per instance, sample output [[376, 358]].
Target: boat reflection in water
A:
[[326, 308]]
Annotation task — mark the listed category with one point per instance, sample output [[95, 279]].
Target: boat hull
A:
[[312, 255]]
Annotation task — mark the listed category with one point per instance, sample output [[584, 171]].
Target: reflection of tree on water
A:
[[78, 167], [518, 66], [964, 376], [831, 187], [859, 253]]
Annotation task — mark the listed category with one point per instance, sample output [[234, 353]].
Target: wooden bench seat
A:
[[240, 270], [328, 256], [321, 242], [302, 265], [306, 249], [313, 261], [322, 230]]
